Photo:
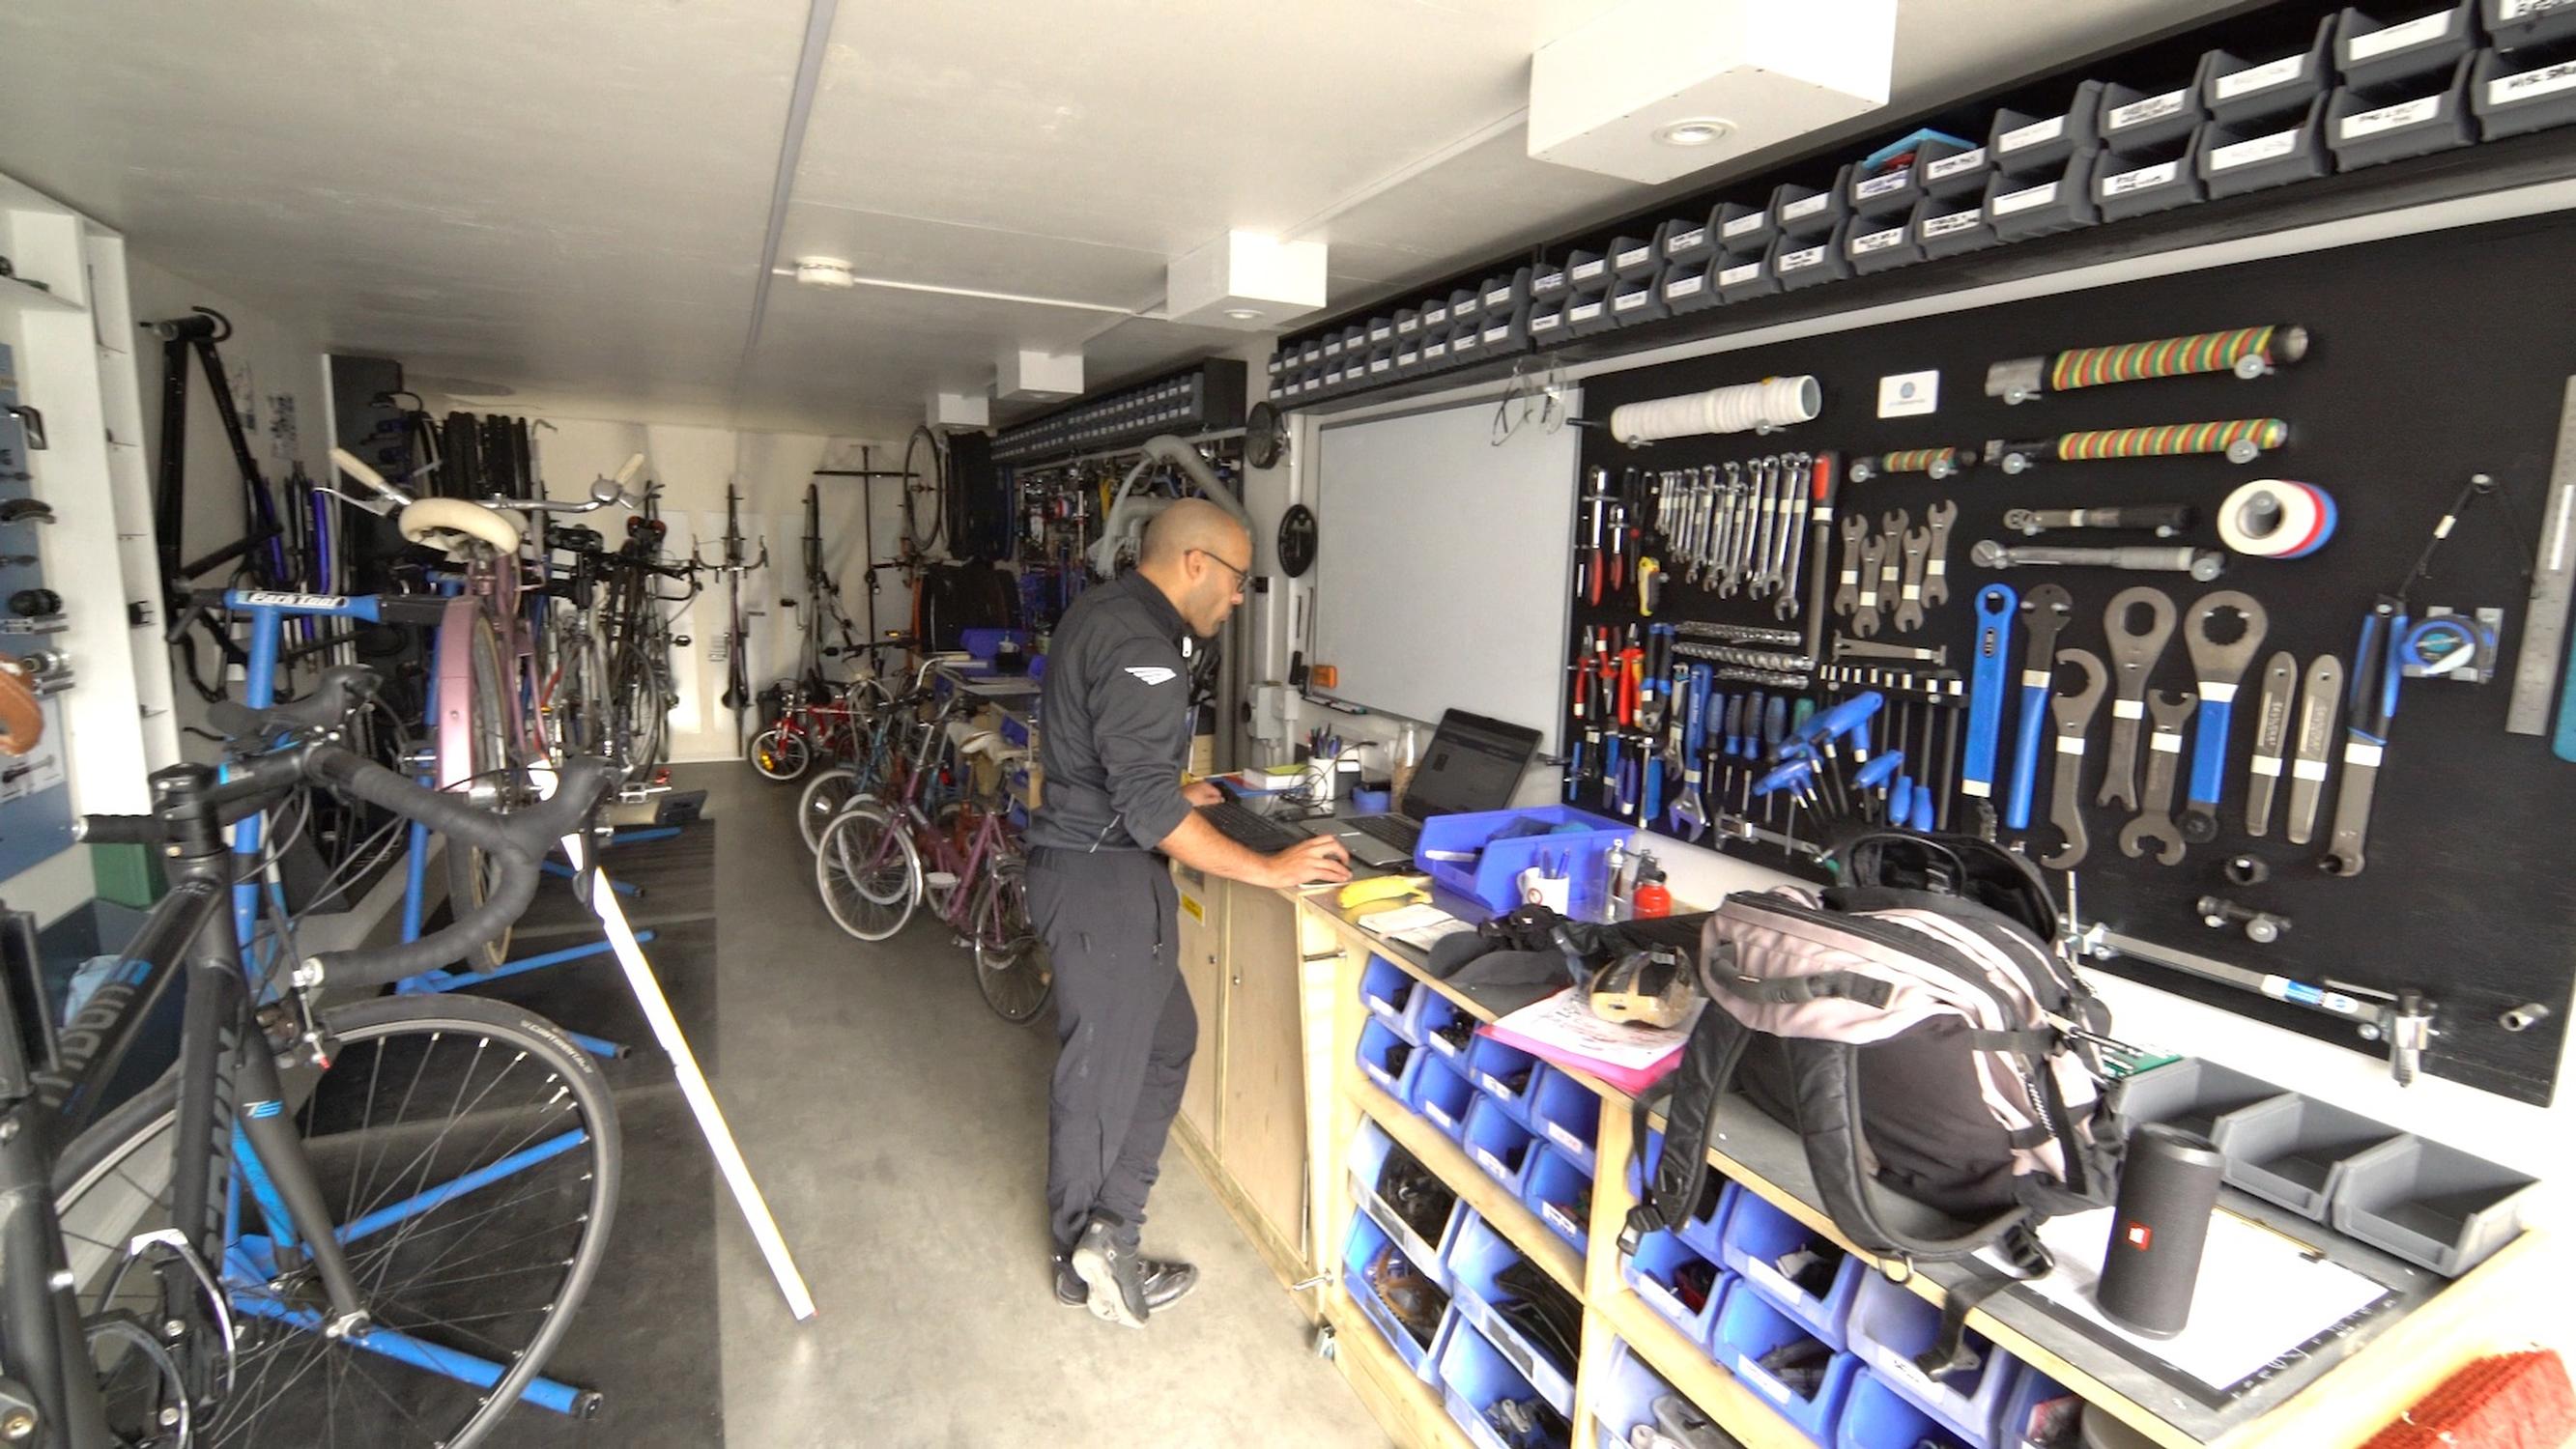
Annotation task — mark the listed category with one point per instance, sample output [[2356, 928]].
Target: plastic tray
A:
[[1889, 1326], [2510, 98], [2133, 119], [1690, 286], [1475, 1376], [2019, 1426], [1705, 1228], [2400, 42], [2403, 119], [1490, 878], [1441, 1096], [1752, 1243], [1370, 1149], [1653, 1271], [1950, 227], [1393, 995], [1738, 275], [1497, 1144], [1568, 1114], [1546, 287], [1689, 239], [2233, 160], [1476, 1259], [2025, 204], [2191, 1095], [1626, 1398], [1638, 299], [1951, 171], [1809, 261], [2292, 1149], [1890, 193], [2520, 25], [1585, 314], [1388, 1059], [1546, 324], [2022, 142], [1560, 1192], [1466, 343], [1439, 1016], [1504, 1073], [1806, 211], [2147, 180], [1366, 1241], [2235, 90], [1587, 272], [1742, 228], [1873, 244], [1877, 1417], [1748, 1327], [2432, 1205]]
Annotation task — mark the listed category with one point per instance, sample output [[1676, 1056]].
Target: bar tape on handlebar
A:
[[1774, 402], [2275, 518], [1918, 460], [2175, 356], [2172, 439]]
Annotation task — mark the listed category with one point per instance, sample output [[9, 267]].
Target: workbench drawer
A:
[[1890, 1326], [1394, 996], [1478, 1260]]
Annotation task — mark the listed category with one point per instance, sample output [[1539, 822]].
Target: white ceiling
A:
[[571, 198]]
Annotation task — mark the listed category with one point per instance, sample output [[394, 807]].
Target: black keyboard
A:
[[1395, 830], [1250, 828]]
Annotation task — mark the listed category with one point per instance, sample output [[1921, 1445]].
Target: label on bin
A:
[[1498, 332], [1494, 1085], [1626, 301], [1563, 1222], [1682, 241], [1568, 1140], [1380, 364], [1801, 259], [1434, 316], [1898, 1366], [2389, 118], [2398, 37], [1938, 226], [1588, 270], [2153, 108], [1633, 255], [2012, 201], [1741, 272], [2516, 9], [1662, 1297], [1756, 1375], [1436, 350], [1380, 333], [1688, 286], [2261, 148], [1809, 207], [2140, 179], [1953, 165], [1498, 296], [2258, 77], [1461, 311], [1743, 224], [1877, 241], [1408, 359], [1492, 1163], [2032, 134], [1546, 282], [1881, 185], [1466, 344], [1774, 1280], [2523, 87], [1583, 311], [1548, 323], [1436, 1113]]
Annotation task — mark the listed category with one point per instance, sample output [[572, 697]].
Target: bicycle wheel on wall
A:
[[1012, 966], [868, 872]]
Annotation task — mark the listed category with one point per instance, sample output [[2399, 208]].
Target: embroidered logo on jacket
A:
[[1151, 673]]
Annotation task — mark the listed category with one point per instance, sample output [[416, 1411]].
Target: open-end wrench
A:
[[1891, 568], [2073, 715], [1813, 513], [1855, 539], [2271, 734], [2134, 653], [1909, 599], [1872, 554], [1685, 545], [2320, 697], [2220, 668], [1992, 662], [2203, 564], [2045, 613], [1707, 490], [1936, 569], [1793, 517], [2169, 712]]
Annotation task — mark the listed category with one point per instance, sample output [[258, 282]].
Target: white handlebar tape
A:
[[1774, 402]]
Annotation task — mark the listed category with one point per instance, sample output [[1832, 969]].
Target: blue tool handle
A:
[[1795, 772], [2209, 750], [1922, 817], [1696, 732], [1775, 721], [1753, 726], [2563, 743], [2034, 714], [1841, 718], [2393, 669], [1654, 788], [1877, 771], [1995, 605]]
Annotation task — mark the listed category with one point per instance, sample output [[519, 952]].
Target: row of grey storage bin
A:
[[2432, 1205], [2366, 91]]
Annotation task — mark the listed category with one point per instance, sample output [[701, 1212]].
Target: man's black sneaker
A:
[[1166, 1282]]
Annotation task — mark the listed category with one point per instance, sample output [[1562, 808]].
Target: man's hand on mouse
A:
[[1203, 792], [1316, 860]]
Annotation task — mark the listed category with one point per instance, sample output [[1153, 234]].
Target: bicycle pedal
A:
[[939, 879]]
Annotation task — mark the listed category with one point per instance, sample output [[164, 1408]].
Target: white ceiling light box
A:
[[959, 410], [1654, 89], [1245, 280], [1027, 374]]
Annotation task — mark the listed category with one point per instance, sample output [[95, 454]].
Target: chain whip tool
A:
[[2248, 352], [2168, 712], [2242, 440], [2220, 669], [2133, 657], [2045, 611], [2319, 700], [2544, 629], [1995, 604], [2271, 737], [2203, 564], [2073, 715]]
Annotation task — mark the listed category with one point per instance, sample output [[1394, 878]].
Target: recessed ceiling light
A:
[[1243, 314], [1697, 131]]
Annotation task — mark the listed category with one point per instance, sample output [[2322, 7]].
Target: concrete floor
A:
[[898, 1127]]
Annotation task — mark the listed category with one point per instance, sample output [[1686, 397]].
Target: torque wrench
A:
[[1995, 604], [1909, 599], [1936, 568], [2045, 612], [2374, 704], [2271, 734], [1872, 555], [2165, 520], [2249, 352], [2544, 628], [1931, 462], [2203, 564], [2168, 712], [2220, 669], [2073, 715], [2133, 657], [2319, 699], [1855, 540], [2242, 439], [1937, 655]]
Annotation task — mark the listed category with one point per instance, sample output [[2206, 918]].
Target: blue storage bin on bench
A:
[[1560, 1191], [1877, 1417], [2038, 1412], [1440, 1019], [1656, 1269], [1626, 1398], [1568, 1114], [1499, 1145], [1389, 1059], [1492, 877], [1504, 1073], [1705, 1227], [1393, 996], [1367, 1240], [1889, 1326], [1476, 1259], [1441, 1096], [1370, 1149], [1758, 1236], [1746, 1329], [1475, 1376]]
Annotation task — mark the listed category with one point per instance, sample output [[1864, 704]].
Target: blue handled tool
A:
[[1654, 783], [2045, 611], [2220, 669], [1995, 604], [1879, 770]]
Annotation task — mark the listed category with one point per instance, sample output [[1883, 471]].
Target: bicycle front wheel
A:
[[780, 753], [868, 873], [469, 1157], [823, 798], [1012, 966]]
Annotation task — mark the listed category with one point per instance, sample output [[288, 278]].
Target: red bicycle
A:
[[816, 726]]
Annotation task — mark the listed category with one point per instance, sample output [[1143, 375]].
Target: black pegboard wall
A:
[[2432, 357]]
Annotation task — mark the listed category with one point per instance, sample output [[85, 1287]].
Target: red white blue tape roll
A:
[[2276, 518]]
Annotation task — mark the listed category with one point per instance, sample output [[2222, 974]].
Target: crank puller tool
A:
[[2365, 734], [2168, 712], [2320, 698], [1995, 604], [2271, 736], [2045, 611], [2133, 657], [2553, 583], [2220, 668], [2072, 714]]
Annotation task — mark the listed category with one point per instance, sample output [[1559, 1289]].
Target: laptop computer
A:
[[1473, 763]]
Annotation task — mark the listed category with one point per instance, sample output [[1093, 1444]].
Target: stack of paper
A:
[[1562, 1029], [1415, 925]]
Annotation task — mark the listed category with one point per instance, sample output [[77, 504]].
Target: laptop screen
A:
[[1474, 763]]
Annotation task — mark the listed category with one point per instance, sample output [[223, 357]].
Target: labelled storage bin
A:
[[1560, 1192], [1395, 996], [1629, 1392], [1879, 1418], [1490, 877], [2525, 24], [2025, 204], [1568, 1114], [2039, 1413], [1361, 1255], [1950, 170], [1690, 239], [1408, 357], [2191, 1094], [2386, 42], [2027, 143], [1704, 1228], [2434, 1206], [1587, 313], [1888, 193], [1435, 351], [1447, 1028], [1744, 229], [1636, 256], [2402, 119], [1806, 212], [1953, 227], [1587, 272], [2290, 1150], [1477, 1263], [1880, 243], [1677, 1281], [1741, 275], [2235, 90], [1499, 1145], [2510, 98], [1467, 309], [1547, 325], [1798, 1270], [2134, 119], [1546, 288], [1805, 1379], [1475, 1376], [2233, 160], [1690, 286], [1808, 261], [1890, 1326], [1638, 299], [1421, 1222], [2149, 179], [1441, 1096], [1466, 343], [1387, 1058], [1504, 1073]]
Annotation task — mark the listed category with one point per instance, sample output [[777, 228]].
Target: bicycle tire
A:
[[780, 754], [1013, 968], [470, 874], [645, 701], [868, 873], [824, 796], [922, 539], [133, 1136]]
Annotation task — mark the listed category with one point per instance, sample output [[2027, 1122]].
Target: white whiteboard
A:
[[1442, 569]]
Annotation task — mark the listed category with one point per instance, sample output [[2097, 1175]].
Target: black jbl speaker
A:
[[2167, 1189]]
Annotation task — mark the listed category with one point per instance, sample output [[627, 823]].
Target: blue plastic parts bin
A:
[[1441, 1096], [1367, 1240], [1877, 1418], [1393, 996], [1499, 1145], [982, 643], [1389, 1059], [1654, 1269], [1370, 1149], [1705, 1227], [1556, 1188], [1490, 878], [1474, 1376], [1568, 1114], [1439, 1011], [1757, 1236], [1476, 1259], [2036, 1396], [1748, 1327], [1494, 1067], [1889, 1326], [1626, 1398]]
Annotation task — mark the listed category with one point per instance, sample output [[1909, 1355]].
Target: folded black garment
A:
[[1545, 1313]]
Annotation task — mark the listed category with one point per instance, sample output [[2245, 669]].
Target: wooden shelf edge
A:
[[1409, 1410], [1684, 1365], [1507, 1214]]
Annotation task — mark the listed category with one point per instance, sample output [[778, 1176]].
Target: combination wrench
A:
[[2169, 712], [1872, 554], [2134, 653], [2203, 564], [1909, 600], [2219, 668], [2073, 715], [1855, 539]]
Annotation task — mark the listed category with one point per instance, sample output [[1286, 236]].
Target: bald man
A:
[[1114, 735]]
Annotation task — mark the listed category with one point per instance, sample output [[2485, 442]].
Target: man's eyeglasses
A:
[[1240, 575]]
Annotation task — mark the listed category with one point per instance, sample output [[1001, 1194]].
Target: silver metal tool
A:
[[2219, 669], [2261, 927], [2203, 564], [1891, 571], [1937, 655], [1909, 598], [2319, 700], [1936, 565], [1855, 538], [1741, 633], [2168, 711], [2166, 520], [2544, 620], [2133, 657], [2072, 714], [2271, 736], [1793, 594], [1872, 554]]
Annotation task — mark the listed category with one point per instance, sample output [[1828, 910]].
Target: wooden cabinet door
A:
[[1202, 947], [1261, 1123]]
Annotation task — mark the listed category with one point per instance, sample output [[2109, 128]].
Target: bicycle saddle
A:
[[452, 525]]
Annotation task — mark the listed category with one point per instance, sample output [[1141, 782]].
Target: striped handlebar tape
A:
[[2240, 438], [2246, 351], [1919, 460]]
